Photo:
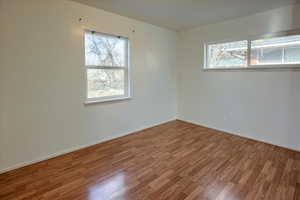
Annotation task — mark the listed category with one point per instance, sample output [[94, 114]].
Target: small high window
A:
[[278, 50], [231, 54]]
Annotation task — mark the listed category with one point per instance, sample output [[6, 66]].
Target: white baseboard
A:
[[69, 150], [241, 135]]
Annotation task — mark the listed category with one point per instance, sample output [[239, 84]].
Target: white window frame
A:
[[249, 65], [126, 68]]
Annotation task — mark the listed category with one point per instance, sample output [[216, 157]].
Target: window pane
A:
[[105, 83], [279, 50], [233, 54], [292, 54], [102, 50]]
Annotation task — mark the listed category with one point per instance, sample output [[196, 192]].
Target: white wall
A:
[[1, 84], [43, 79], [263, 105]]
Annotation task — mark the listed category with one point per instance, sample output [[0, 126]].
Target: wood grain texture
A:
[[175, 161]]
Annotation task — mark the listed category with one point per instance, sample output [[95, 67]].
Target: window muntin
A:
[[279, 50], [107, 67]]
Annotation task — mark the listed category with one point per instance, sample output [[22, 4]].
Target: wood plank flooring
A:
[[175, 161]]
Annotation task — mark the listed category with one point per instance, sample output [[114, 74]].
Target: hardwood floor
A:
[[176, 161]]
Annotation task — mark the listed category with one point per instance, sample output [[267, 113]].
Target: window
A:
[[107, 66], [232, 54], [282, 49]]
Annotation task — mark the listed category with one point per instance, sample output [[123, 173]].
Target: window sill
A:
[[259, 67], [94, 101]]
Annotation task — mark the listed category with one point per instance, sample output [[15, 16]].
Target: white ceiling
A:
[[184, 14]]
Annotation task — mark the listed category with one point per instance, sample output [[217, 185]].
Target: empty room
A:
[[149, 99]]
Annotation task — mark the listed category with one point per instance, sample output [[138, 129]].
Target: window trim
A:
[[126, 68], [249, 66]]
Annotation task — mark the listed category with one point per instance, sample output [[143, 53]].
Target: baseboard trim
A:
[[76, 148], [239, 135]]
